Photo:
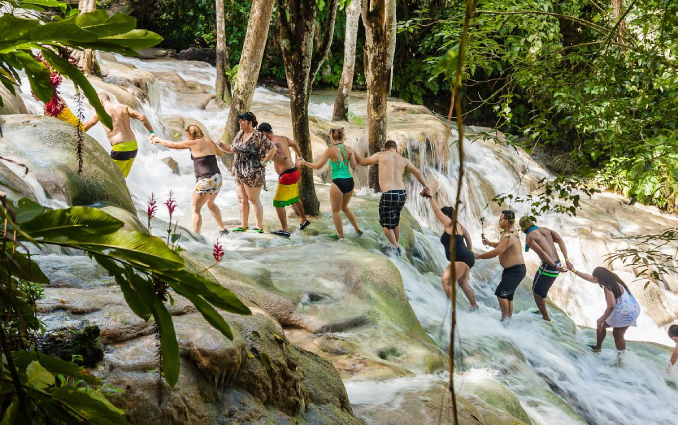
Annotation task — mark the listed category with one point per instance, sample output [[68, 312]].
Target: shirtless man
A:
[[511, 259], [287, 192], [123, 141], [393, 196], [542, 241]]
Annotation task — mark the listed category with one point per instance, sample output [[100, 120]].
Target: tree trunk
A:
[[379, 19], [250, 64], [617, 12], [223, 86], [346, 83], [303, 58], [87, 61]]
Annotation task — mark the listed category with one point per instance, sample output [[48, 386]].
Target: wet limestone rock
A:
[[13, 185], [49, 148], [176, 127], [12, 104]]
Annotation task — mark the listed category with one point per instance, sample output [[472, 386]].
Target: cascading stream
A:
[[546, 365]]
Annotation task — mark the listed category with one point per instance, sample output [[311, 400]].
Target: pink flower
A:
[[171, 204], [152, 206], [218, 251]]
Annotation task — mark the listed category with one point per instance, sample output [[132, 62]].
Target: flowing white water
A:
[[534, 359]]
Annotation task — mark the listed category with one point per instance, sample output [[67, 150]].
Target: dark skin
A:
[[543, 242]]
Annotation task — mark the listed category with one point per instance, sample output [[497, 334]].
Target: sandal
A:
[[281, 233], [593, 348], [257, 229], [240, 229], [304, 225], [335, 237], [223, 232]]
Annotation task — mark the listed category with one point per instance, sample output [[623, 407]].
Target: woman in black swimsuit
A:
[[204, 155], [464, 253]]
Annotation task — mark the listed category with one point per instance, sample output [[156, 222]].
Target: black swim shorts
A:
[[510, 280], [390, 206], [543, 279]]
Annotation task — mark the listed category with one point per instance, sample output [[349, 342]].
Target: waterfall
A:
[[547, 365]]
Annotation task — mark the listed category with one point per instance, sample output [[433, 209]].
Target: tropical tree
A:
[[299, 22], [353, 10], [223, 85], [250, 64], [380, 28]]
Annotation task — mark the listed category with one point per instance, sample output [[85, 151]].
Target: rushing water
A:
[[557, 380]]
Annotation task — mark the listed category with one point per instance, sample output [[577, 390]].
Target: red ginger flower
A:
[[152, 206], [218, 251]]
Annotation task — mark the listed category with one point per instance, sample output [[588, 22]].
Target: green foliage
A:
[[95, 30], [146, 270]]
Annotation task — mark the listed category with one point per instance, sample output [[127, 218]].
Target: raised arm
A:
[[561, 243], [439, 214], [499, 248], [141, 117], [415, 172], [223, 147], [316, 165], [91, 123], [366, 161]]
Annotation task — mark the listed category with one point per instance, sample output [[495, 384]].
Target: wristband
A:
[[152, 132], [567, 259], [574, 271]]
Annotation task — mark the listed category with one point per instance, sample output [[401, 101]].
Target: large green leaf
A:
[[131, 288], [20, 266], [77, 223], [135, 39], [91, 405], [27, 210], [102, 25], [53, 365], [208, 312], [81, 81], [38, 75], [38, 377], [12, 415], [169, 347], [58, 32], [12, 28], [217, 295]]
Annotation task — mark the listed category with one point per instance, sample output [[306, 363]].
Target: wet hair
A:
[[609, 280], [448, 211], [337, 133], [390, 144], [526, 222], [509, 215], [194, 132], [673, 331]]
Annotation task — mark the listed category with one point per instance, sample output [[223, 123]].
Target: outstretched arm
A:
[[316, 165], [416, 173], [185, 144], [500, 247], [91, 123], [585, 276], [366, 161], [141, 117], [561, 243], [439, 214], [223, 147]]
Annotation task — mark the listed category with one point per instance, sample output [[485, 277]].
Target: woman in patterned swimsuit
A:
[[204, 155], [252, 151], [622, 308]]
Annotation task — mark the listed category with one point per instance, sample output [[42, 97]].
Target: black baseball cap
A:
[[247, 116], [265, 127]]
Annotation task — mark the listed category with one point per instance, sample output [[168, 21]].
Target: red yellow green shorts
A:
[[123, 155], [287, 192]]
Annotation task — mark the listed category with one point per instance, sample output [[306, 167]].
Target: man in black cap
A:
[[287, 192]]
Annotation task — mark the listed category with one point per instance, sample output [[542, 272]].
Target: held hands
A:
[[154, 138], [300, 162], [426, 193], [562, 269], [569, 265], [476, 255]]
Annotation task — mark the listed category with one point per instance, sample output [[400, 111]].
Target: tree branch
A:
[[323, 49]]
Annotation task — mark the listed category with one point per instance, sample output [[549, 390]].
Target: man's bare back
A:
[[541, 241], [121, 116], [391, 169]]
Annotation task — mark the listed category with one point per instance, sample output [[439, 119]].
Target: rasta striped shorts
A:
[[123, 155]]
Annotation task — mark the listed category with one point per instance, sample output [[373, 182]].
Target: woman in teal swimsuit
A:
[[341, 190]]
